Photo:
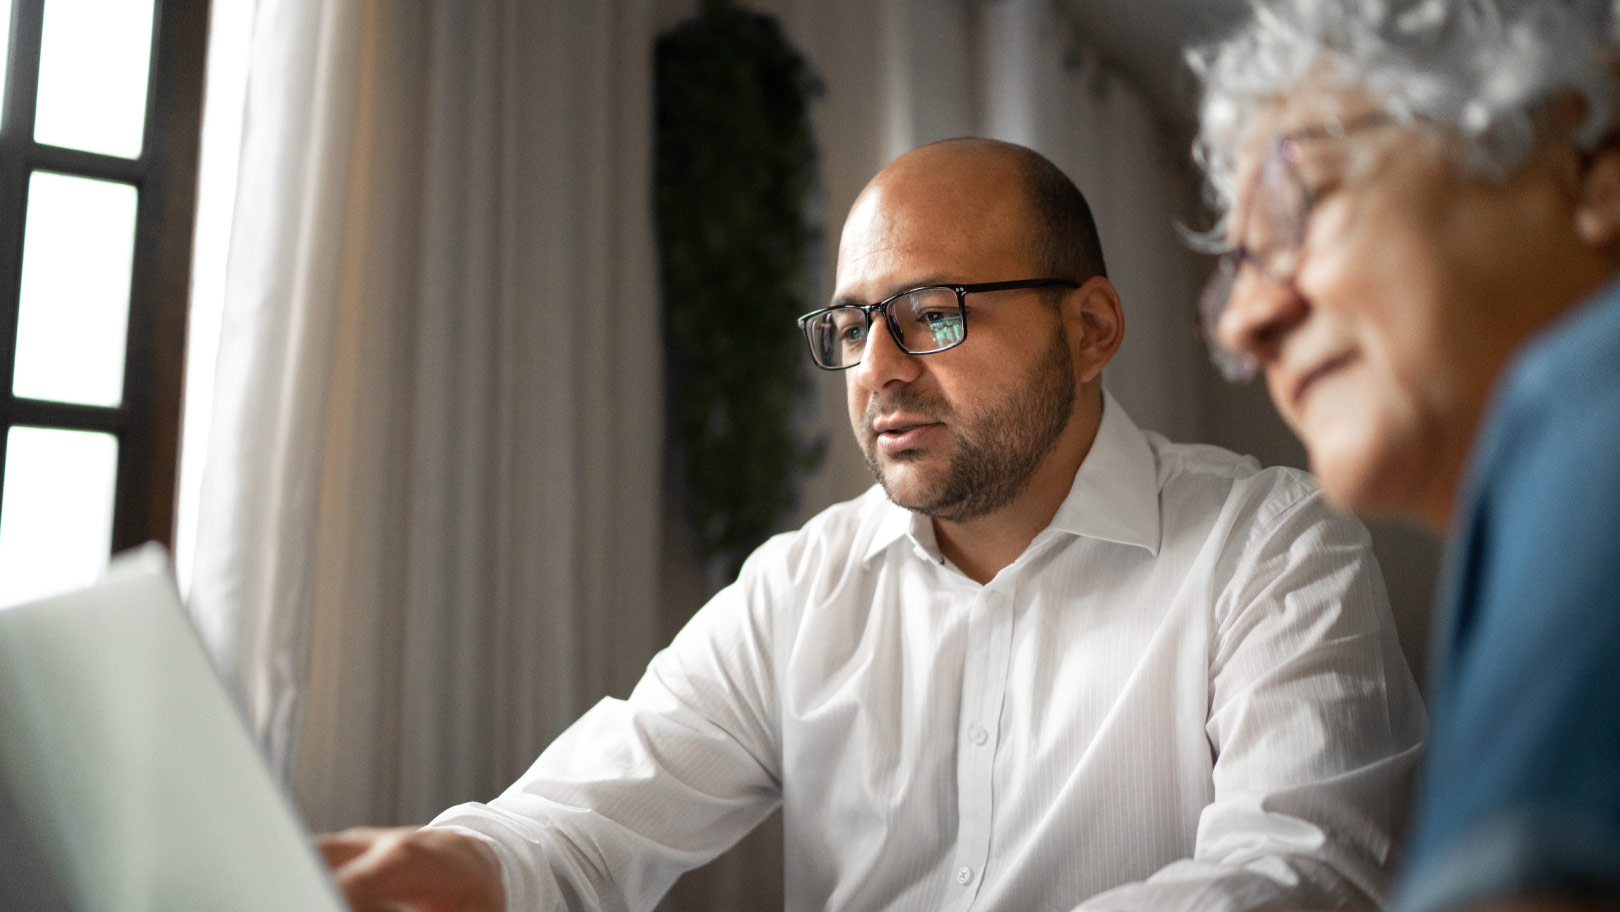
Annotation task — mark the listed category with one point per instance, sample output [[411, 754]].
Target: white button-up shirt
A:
[[1186, 694]]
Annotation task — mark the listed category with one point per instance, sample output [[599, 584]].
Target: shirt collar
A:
[[1115, 495], [894, 523]]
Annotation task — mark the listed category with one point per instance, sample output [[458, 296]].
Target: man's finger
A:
[[340, 848]]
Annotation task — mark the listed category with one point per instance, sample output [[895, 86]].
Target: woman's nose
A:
[[1259, 314]]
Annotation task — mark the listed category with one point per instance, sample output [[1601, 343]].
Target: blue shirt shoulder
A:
[[1522, 786]]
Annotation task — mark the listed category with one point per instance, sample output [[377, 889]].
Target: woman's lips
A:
[[901, 437], [1304, 384]]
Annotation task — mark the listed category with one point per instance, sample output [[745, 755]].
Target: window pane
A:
[[55, 510], [93, 62], [74, 311]]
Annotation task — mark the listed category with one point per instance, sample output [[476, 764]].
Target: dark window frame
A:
[[147, 424]]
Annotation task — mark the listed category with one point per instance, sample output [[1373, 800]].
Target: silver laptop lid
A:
[[131, 768]]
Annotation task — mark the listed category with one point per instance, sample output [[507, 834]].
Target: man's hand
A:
[[414, 870]]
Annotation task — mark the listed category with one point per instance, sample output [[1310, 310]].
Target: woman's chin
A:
[[1361, 477]]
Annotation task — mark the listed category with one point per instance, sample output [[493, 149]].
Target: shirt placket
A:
[[979, 731]]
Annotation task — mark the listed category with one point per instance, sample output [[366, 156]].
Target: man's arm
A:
[[1315, 725], [634, 793]]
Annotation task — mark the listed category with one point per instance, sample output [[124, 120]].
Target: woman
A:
[[1421, 210]]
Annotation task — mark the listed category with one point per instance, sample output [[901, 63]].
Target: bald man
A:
[[1050, 661]]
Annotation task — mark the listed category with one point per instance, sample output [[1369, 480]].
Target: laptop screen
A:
[[130, 767]]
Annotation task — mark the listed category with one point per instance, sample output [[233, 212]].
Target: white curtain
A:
[[427, 531]]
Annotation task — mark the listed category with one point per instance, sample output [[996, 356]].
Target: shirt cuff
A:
[[455, 820]]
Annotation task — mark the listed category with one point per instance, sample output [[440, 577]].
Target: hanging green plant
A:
[[734, 169]]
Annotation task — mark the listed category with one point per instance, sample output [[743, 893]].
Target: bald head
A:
[[984, 185], [967, 431]]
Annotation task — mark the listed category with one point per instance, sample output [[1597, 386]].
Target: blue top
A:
[[1522, 787]]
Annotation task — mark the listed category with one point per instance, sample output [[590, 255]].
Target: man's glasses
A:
[[921, 321], [1271, 235]]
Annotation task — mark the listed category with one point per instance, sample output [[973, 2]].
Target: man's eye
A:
[[947, 330], [852, 333], [930, 317]]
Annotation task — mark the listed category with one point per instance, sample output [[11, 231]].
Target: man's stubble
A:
[[996, 453]]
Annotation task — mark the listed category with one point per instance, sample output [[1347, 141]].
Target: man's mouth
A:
[[897, 434]]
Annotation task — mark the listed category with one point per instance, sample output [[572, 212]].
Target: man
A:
[[1051, 661], [1425, 209]]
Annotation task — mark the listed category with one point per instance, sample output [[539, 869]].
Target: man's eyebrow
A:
[[845, 300]]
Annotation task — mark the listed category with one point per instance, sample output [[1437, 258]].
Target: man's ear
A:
[[1096, 326]]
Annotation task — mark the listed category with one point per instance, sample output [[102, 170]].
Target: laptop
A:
[[129, 765]]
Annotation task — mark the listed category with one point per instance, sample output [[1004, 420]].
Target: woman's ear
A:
[[1597, 211], [1096, 326], [1597, 205]]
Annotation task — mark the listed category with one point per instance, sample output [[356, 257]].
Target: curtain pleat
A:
[[427, 538]]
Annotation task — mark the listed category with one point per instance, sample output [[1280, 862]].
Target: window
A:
[[98, 156]]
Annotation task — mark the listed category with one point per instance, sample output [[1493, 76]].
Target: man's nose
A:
[[883, 362], [1259, 315]]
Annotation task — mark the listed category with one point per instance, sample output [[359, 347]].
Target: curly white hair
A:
[[1478, 70]]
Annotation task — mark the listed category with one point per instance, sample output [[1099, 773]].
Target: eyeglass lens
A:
[[929, 320], [1277, 237], [1271, 237]]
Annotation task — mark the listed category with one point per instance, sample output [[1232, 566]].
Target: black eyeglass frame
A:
[[893, 324]]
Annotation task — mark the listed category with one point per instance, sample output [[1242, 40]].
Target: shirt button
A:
[[964, 875], [978, 736]]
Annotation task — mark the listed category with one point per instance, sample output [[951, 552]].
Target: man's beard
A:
[[996, 456]]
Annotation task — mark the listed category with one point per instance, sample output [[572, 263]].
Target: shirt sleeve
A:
[[638, 791], [1522, 791], [1315, 724]]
